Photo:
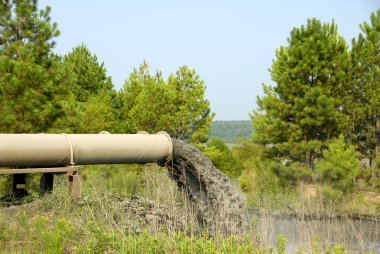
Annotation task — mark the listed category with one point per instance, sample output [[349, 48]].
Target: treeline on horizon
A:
[[318, 122], [231, 131]]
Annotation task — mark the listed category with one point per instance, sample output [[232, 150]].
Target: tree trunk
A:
[[311, 155]]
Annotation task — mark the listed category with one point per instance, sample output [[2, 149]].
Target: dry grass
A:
[[101, 220]]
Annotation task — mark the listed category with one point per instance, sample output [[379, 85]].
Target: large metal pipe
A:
[[52, 150]]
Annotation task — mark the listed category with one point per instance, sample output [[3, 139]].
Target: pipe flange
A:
[[170, 141]]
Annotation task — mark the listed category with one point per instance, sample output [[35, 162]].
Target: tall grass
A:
[[100, 222]]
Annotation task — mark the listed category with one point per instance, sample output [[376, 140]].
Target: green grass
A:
[[24, 233], [45, 234]]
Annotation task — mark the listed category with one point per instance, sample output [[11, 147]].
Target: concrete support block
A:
[[75, 186]]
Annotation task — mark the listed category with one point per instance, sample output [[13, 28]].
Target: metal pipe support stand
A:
[[47, 179]]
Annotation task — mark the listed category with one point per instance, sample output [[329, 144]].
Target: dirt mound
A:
[[146, 213], [217, 202]]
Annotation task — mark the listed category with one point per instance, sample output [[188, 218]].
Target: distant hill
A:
[[231, 131]]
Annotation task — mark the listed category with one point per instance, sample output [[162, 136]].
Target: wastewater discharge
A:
[[218, 205]]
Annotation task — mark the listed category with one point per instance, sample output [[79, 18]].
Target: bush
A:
[[281, 244], [294, 172], [336, 249], [246, 150], [339, 165], [222, 158]]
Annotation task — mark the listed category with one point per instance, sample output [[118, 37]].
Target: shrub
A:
[[339, 165], [246, 150], [336, 249], [281, 244], [222, 158], [294, 172]]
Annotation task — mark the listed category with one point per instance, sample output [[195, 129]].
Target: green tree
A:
[[84, 75], [364, 98], [29, 72], [89, 100], [144, 102], [191, 111], [147, 102], [99, 114], [299, 115], [339, 164]]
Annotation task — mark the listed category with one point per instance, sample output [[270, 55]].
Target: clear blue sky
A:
[[230, 44]]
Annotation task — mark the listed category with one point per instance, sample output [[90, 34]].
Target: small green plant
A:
[[281, 244], [336, 249]]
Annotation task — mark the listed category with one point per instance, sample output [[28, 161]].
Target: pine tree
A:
[[84, 75], [29, 73], [303, 111], [84, 84], [339, 165], [192, 115], [146, 102], [143, 102], [365, 95]]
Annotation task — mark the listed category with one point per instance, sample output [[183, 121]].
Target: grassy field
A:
[[103, 222]]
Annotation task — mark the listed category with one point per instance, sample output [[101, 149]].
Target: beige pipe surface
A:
[[50, 150]]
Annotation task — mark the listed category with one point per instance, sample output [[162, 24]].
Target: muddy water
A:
[[358, 236], [217, 202]]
